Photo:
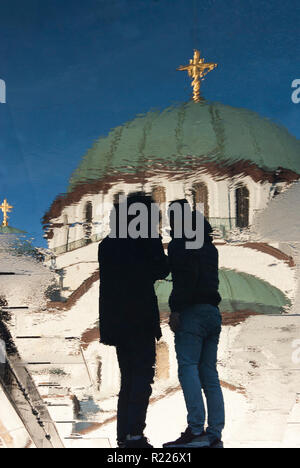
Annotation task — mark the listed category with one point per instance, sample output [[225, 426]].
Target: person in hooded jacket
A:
[[196, 321], [129, 315]]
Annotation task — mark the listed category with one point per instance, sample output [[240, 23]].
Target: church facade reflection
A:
[[228, 203], [230, 160]]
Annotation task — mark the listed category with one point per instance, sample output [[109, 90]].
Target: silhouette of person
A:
[[196, 321], [129, 315]]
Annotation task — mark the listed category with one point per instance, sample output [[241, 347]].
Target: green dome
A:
[[239, 291], [10, 230], [207, 131]]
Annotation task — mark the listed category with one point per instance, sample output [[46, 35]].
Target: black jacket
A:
[[195, 275], [128, 303]]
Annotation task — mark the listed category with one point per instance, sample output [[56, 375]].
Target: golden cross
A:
[[197, 69], [5, 208]]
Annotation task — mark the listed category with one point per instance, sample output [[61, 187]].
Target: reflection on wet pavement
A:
[[238, 165]]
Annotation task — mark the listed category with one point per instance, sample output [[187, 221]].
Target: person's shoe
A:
[[138, 443], [216, 444], [121, 444], [188, 439]]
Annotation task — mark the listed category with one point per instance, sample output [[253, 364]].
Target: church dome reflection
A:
[[240, 292], [231, 160]]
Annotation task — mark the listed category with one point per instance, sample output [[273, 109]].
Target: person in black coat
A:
[[129, 315]]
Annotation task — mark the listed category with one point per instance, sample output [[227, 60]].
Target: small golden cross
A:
[[5, 208], [197, 69]]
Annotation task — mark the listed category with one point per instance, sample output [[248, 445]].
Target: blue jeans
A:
[[196, 342]]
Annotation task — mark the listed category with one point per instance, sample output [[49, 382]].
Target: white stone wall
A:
[[77, 266], [79, 263], [221, 199]]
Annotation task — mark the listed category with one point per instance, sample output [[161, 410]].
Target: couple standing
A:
[[130, 321]]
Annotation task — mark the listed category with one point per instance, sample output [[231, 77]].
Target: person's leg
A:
[[143, 369], [124, 359], [211, 385], [188, 346]]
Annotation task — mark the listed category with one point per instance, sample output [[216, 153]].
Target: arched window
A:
[[118, 197], [200, 195], [277, 191], [159, 196], [66, 231], [242, 206], [99, 373], [88, 214]]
